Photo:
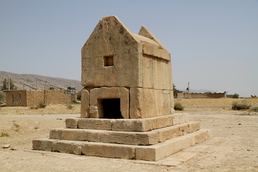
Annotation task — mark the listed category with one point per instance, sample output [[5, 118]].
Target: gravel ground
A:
[[233, 146]]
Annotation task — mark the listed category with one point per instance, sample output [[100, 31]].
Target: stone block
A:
[[76, 135], [85, 103], [94, 113], [183, 129], [145, 103], [71, 122], [160, 122], [110, 36], [168, 133], [69, 134], [170, 119], [145, 153], [109, 150], [202, 135], [89, 135], [180, 118], [123, 73], [193, 126], [42, 144], [135, 125], [130, 138], [55, 134], [161, 150], [98, 124], [127, 125], [71, 147]]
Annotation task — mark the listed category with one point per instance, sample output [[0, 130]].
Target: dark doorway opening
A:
[[111, 109]]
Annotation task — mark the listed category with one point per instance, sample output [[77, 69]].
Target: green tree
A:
[[5, 85], [1, 97], [51, 88], [79, 95], [235, 96], [175, 90]]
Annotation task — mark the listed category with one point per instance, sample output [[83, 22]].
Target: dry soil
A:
[[233, 147]]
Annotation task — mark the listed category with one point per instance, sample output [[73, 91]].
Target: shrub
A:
[[4, 135], [51, 88], [255, 109], [240, 106], [79, 94], [16, 125], [1, 97], [41, 105], [178, 106], [75, 102], [69, 106], [235, 96]]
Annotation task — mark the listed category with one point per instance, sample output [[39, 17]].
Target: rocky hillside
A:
[[28, 81]]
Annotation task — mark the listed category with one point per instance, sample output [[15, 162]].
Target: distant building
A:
[[184, 95], [32, 98]]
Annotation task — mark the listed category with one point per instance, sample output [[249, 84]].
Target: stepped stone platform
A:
[[149, 139], [127, 100]]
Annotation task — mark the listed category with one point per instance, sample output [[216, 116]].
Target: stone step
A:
[[110, 150], [121, 137], [135, 125]]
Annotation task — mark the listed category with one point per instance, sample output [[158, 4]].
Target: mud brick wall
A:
[[73, 97], [201, 95], [56, 97], [217, 95], [34, 97], [15, 101]]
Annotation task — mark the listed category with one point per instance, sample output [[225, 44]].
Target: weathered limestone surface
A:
[[123, 73], [103, 124], [159, 151], [42, 144], [71, 123], [145, 103], [85, 103], [71, 147], [138, 62], [148, 153], [109, 150], [137, 125], [129, 138], [109, 92]]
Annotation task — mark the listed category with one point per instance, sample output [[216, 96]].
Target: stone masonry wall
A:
[[56, 97], [201, 95], [34, 97], [12, 98]]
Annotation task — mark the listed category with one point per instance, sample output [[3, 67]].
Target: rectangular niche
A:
[[109, 60], [111, 108]]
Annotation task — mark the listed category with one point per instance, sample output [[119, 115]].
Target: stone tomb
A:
[[127, 104]]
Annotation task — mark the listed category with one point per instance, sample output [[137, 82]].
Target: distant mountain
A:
[[28, 81]]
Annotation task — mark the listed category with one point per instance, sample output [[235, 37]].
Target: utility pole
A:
[[45, 85], [9, 83], [188, 89], [36, 84]]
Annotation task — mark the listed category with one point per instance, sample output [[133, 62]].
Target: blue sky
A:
[[213, 44]]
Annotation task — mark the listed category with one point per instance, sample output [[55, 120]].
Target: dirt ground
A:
[[233, 146]]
